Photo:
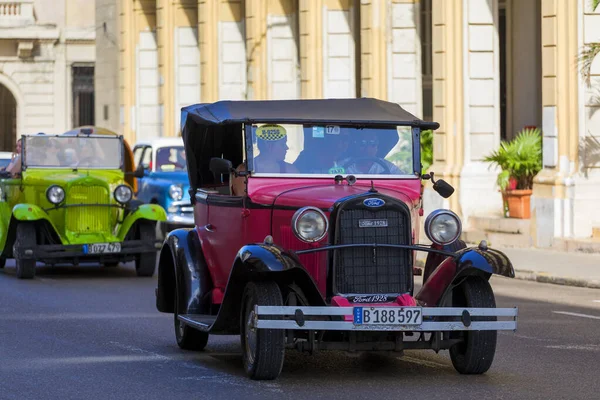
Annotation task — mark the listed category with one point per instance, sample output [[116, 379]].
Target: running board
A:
[[198, 321]]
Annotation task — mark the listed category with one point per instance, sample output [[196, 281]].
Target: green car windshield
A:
[[326, 150], [89, 152]]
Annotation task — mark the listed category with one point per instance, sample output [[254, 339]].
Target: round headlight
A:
[[309, 224], [123, 194], [443, 227], [176, 192], [55, 194]]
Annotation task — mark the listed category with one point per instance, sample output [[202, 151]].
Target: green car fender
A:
[[30, 212], [152, 212], [23, 213]]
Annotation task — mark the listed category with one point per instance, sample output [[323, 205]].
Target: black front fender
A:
[[182, 270], [453, 270], [261, 262]]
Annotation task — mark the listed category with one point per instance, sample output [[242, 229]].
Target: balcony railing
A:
[[16, 13]]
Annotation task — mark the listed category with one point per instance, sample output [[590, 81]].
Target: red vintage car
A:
[[306, 228]]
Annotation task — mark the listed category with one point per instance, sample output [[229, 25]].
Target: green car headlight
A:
[[176, 192], [55, 194], [123, 194]]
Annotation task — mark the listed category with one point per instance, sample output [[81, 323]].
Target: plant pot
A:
[[518, 203]]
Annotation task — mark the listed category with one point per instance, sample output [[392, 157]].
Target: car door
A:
[[144, 157], [223, 232]]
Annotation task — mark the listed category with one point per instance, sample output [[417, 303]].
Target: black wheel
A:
[[2, 262], [26, 239], [187, 337], [263, 350], [145, 263], [476, 353]]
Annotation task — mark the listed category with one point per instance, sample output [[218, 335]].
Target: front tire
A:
[[145, 263], [25, 239], [263, 350], [187, 337], [475, 355], [2, 262]]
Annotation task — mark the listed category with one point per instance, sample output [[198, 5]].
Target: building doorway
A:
[[83, 95], [8, 119], [520, 56]]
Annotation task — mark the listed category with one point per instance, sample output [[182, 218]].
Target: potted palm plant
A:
[[519, 160]]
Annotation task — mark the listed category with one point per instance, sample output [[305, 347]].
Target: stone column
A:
[[208, 14], [311, 48], [481, 99], [165, 37], [448, 99], [127, 71], [374, 49], [404, 56], [256, 43], [553, 191]]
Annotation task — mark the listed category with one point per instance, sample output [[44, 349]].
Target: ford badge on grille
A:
[[372, 202]]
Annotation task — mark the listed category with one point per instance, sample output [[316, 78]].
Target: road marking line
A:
[[76, 316], [577, 314], [586, 347], [596, 301]]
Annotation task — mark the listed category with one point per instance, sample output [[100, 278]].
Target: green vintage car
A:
[[72, 204]]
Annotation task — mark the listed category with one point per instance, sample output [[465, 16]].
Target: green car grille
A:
[[89, 218]]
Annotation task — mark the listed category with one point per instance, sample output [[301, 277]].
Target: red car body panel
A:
[[272, 202]]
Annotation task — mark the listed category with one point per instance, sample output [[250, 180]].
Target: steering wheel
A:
[[377, 160]]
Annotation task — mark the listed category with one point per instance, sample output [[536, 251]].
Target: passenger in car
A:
[[272, 146]]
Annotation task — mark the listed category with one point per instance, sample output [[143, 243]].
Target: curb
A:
[[541, 277], [544, 277]]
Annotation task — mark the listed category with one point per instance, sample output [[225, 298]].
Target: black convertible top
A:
[[363, 111]]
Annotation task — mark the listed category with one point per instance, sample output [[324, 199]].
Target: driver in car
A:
[[272, 145], [367, 162]]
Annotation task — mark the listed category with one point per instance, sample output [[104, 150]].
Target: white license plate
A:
[[102, 248], [372, 223], [388, 316]]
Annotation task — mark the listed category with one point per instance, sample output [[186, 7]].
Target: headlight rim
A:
[[64, 195], [175, 185], [296, 218], [432, 216], [130, 194]]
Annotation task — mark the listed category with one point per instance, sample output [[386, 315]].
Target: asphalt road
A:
[[94, 333]]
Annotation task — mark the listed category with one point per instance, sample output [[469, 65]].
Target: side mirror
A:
[[139, 172], [443, 188], [220, 166]]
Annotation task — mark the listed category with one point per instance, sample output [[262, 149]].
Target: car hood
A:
[[171, 177], [67, 178], [325, 194]]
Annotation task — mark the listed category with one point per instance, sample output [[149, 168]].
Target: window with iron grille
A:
[[83, 95]]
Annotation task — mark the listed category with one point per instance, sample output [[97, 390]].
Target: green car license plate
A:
[[400, 316], [102, 248]]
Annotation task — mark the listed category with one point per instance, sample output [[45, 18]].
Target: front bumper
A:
[[311, 318], [129, 249]]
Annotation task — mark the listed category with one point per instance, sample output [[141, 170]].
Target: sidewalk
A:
[[562, 268], [548, 266]]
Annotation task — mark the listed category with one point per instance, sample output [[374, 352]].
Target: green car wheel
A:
[[26, 237], [145, 263]]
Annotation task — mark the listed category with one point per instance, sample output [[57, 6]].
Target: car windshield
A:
[[331, 150], [170, 158], [91, 152]]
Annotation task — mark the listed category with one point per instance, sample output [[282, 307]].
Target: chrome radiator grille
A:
[[364, 270], [89, 218]]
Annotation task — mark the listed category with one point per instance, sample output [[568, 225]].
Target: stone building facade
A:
[[484, 69], [47, 56]]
